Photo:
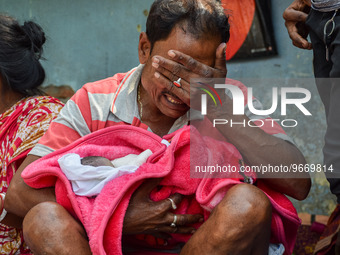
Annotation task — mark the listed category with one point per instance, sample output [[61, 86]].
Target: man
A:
[[321, 20], [183, 39]]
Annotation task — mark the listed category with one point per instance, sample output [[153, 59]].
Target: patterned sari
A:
[[20, 129]]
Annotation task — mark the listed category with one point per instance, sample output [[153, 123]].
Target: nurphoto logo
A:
[[238, 100]]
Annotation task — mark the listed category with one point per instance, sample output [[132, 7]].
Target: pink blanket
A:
[[103, 220]]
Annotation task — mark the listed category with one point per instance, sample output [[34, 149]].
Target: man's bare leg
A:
[[240, 225], [49, 229]]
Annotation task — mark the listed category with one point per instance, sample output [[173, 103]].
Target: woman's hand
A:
[[295, 16], [180, 65], [144, 216]]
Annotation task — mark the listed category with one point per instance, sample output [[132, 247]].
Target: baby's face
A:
[[96, 161]]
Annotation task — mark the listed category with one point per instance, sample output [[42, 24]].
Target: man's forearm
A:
[[259, 148], [20, 198]]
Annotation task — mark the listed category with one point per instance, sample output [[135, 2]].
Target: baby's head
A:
[[96, 161]]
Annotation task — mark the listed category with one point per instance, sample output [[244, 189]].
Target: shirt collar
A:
[[124, 105]]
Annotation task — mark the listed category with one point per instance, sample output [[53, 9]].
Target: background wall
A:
[[90, 40]]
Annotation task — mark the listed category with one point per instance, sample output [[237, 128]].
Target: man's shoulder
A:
[[105, 86], [108, 85]]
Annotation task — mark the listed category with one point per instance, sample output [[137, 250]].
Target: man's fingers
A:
[[292, 15], [164, 69], [299, 41], [168, 74], [296, 38], [174, 67], [190, 63], [172, 70], [303, 44], [177, 198], [162, 235], [179, 230], [184, 219], [186, 230], [168, 203], [181, 93], [147, 186]]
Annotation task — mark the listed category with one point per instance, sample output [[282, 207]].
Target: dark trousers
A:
[[327, 74]]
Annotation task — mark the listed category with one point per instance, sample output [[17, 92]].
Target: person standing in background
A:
[[321, 20]]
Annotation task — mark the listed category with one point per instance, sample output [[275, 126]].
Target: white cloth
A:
[[89, 180], [165, 142], [132, 159]]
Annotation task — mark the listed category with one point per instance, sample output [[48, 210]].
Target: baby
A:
[[96, 161], [90, 174]]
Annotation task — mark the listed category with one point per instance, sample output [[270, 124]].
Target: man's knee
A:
[[47, 225], [240, 222], [248, 204], [45, 218], [38, 216], [38, 224]]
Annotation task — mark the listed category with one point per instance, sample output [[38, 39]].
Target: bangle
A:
[[3, 211]]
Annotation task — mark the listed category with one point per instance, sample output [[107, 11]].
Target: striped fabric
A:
[[325, 5], [109, 102]]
